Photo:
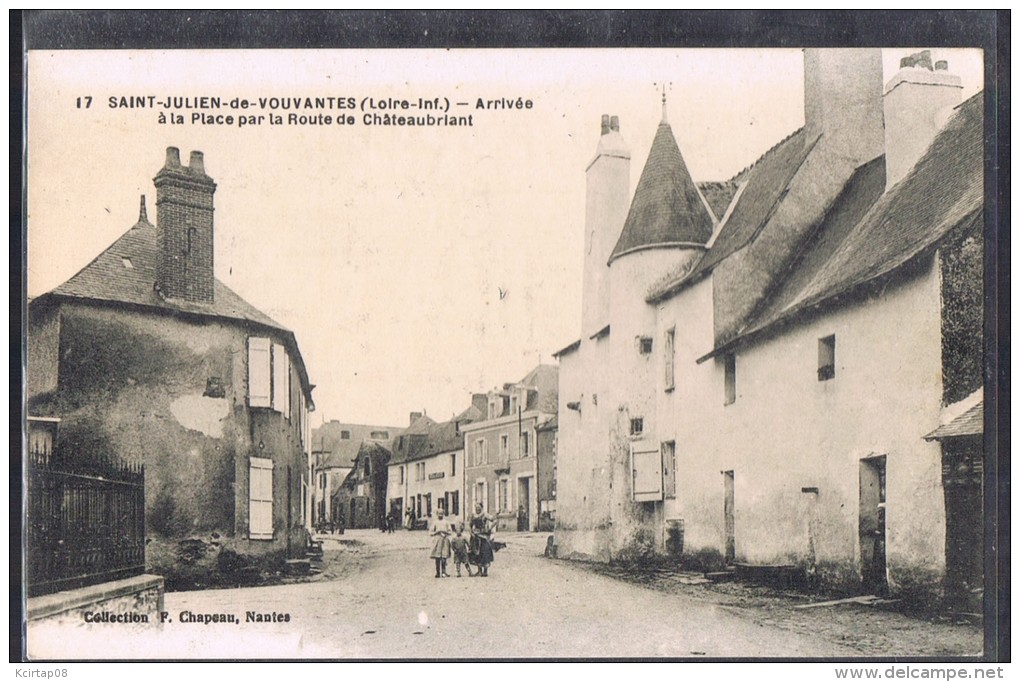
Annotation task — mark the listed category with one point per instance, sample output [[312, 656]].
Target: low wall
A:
[[132, 600]]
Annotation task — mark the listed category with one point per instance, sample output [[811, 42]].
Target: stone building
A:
[[503, 467], [360, 501], [335, 446], [760, 359], [144, 355]]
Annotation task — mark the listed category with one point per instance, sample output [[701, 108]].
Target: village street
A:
[[377, 598]]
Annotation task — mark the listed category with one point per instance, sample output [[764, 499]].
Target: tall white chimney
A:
[[843, 101], [917, 102], [607, 200]]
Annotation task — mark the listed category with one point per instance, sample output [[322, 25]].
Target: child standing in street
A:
[[439, 529], [459, 545]]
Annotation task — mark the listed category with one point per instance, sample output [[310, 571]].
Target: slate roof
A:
[[943, 191], [545, 378], [666, 208], [341, 452], [719, 195], [765, 183], [970, 423], [109, 278]]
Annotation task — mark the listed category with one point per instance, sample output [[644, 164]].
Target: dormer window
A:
[[127, 263]]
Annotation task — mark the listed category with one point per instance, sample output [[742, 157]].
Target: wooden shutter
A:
[[670, 358], [646, 469], [281, 380], [259, 367], [260, 499], [669, 470]]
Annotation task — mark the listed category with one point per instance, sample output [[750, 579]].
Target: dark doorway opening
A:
[[871, 525]]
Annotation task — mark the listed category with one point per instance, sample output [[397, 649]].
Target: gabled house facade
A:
[[145, 355], [754, 379], [335, 446], [503, 467], [360, 501]]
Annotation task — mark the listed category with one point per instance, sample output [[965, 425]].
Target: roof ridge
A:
[[737, 179]]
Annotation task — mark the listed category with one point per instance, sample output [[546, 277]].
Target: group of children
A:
[[477, 550]]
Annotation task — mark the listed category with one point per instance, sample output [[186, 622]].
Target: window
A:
[[481, 456], [480, 495], [645, 345], [513, 404], [345, 435], [637, 426], [368, 467], [525, 444], [268, 375], [504, 446], [401, 474], [419, 471], [669, 358], [730, 378], [669, 470], [453, 464], [504, 495], [827, 358], [127, 263], [260, 499], [455, 503]]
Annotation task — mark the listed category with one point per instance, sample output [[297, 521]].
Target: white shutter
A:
[[281, 380], [646, 467], [260, 499], [259, 365]]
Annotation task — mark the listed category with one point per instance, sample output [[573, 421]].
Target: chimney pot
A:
[[614, 123], [173, 157], [143, 215], [197, 163], [942, 65], [605, 124]]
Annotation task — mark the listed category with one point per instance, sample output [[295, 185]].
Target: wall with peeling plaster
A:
[[171, 392]]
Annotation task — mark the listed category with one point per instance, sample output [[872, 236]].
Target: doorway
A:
[[523, 504], [871, 525], [729, 522]]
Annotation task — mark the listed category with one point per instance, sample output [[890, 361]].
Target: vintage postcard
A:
[[505, 353]]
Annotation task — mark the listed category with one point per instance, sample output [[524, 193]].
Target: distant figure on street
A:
[[439, 529], [522, 519], [461, 549], [481, 540], [409, 524]]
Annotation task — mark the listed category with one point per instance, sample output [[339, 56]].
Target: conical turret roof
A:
[[667, 208]]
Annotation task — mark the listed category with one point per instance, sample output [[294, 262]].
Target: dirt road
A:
[[377, 598]]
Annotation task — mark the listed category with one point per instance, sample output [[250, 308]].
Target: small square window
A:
[[345, 435], [645, 345], [637, 426], [730, 378], [127, 263], [827, 358]]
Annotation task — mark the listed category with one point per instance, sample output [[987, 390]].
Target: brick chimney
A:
[[843, 101], [917, 102], [480, 401], [184, 223]]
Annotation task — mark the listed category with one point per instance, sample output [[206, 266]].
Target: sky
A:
[[414, 265]]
